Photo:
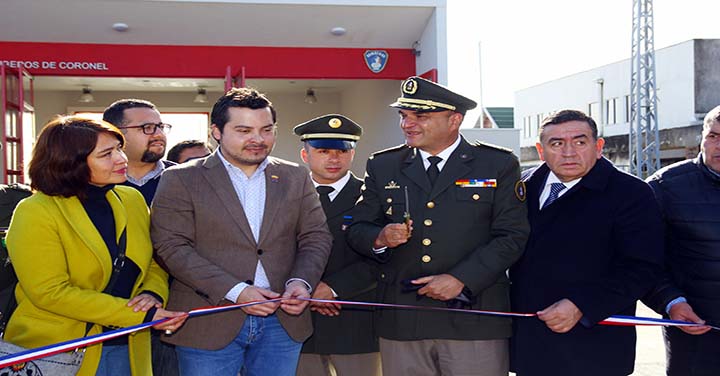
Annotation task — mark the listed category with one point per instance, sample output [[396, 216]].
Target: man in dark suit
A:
[[448, 241], [595, 248], [240, 226], [343, 340]]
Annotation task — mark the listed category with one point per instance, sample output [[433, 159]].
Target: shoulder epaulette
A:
[[492, 146], [389, 150]]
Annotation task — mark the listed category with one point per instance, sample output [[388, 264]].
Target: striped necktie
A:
[[555, 189]]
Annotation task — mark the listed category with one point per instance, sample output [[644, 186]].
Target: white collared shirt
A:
[[445, 154], [338, 185], [157, 170], [251, 193], [552, 178]]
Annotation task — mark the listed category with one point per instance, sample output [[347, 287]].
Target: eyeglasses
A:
[[151, 128]]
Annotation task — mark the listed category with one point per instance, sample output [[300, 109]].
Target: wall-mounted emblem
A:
[[376, 60]]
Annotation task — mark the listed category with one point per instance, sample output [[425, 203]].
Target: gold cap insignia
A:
[[335, 123], [410, 86]]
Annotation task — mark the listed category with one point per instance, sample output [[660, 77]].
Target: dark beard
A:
[[150, 157]]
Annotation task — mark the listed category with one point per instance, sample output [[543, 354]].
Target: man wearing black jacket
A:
[[689, 194], [343, 338]]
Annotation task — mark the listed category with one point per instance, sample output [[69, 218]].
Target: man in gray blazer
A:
[[240, 226]]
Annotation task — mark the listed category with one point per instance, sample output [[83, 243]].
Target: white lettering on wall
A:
[[54, 65]]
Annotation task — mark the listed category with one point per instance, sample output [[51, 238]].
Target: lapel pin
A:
[[274, 178]]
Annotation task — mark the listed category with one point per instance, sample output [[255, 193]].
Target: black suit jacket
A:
[[353, 277], [473, 233], [599, 245]]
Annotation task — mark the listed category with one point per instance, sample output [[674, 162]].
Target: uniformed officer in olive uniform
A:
[[343, 339], [449, 245]]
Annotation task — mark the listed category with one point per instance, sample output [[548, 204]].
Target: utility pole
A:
[[644, 134]]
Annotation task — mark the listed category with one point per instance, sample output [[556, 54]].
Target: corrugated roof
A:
[[503, 116]]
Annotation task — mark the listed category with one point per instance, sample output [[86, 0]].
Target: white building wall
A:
[[675, 84]]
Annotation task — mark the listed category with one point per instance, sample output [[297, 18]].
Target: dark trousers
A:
[[164, 358], [689, 355]]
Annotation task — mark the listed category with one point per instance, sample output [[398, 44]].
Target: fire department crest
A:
[[376, 60]]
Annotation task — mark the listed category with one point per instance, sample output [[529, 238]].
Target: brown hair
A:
[[59, 161], [239, 97]]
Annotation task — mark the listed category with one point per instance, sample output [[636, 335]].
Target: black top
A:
[[689, 196], [100, 212], [148, 189]]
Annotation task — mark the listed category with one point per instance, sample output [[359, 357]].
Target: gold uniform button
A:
[[427, 222], [426, 258], [430, 205], [476, 197], [427, 241], [389, 200]]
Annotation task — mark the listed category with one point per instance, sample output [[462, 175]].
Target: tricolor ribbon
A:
[[45, 351]]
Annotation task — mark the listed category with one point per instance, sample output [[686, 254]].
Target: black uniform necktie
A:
[[555, 189], [433, 171], [324, 192]]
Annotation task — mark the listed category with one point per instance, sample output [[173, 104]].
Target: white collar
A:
[[552, 178], [338, 185], [445, 154]]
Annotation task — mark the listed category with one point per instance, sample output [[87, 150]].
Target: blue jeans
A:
[[262, 348], [114, 361]]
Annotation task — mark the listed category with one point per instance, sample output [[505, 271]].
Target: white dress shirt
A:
[[338, 185], [552, 178]]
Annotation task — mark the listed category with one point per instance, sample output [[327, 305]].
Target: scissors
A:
[[406, 214]]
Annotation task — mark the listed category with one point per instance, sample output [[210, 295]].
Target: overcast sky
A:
[[527, 42]]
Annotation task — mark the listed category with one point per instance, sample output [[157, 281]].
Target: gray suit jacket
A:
[[203, 238]]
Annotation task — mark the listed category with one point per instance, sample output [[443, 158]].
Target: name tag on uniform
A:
[[476, 183]]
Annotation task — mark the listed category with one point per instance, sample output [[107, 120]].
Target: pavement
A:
[[650, 350]]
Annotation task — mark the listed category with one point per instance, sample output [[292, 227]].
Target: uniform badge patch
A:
[[520, 191]]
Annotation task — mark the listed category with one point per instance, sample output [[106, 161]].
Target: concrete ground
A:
[[650, 351]]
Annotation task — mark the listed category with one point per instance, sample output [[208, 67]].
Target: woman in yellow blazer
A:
[[63, 241]]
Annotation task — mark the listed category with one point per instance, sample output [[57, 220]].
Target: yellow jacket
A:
[[63, 266]]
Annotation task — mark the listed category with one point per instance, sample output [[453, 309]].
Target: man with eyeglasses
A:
[[145, 140]]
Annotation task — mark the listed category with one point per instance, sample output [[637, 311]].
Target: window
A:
[[627, 108], [594, 111], [611, 110], [527, 127]]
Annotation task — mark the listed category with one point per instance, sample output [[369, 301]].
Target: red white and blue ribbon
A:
[[41, 352]]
